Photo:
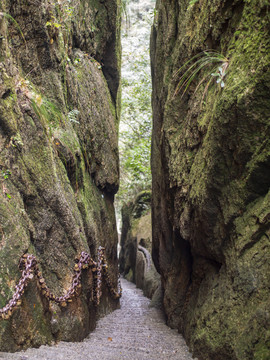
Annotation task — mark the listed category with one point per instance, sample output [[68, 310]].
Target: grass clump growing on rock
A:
[[48, 111], [12, 20], [215, 64]]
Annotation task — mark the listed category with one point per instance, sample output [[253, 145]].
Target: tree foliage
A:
[[136, 118]]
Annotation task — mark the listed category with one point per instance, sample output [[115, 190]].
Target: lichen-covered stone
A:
[[58, 158], [211, 171]]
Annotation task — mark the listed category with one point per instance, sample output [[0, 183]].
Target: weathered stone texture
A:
[[211, 174], [136, 243], [58, 157]]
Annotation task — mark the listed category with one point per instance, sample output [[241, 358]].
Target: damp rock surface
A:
[[135, 331], [210, 175], [58, 158]]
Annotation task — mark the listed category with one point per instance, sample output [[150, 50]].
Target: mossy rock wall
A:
[[211, 174], [59, 78], [135, 260]]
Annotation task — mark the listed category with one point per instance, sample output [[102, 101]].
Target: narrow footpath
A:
[[134, 332]]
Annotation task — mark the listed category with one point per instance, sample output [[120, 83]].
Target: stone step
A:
[[133, 332]]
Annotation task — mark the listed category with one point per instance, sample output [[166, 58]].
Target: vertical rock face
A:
[[136, 243], [211, 173], [59, 78]]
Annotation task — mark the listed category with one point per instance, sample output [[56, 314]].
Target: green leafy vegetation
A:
[[192, 2], [52, 23], [16, 141], [135, 139], [60, 24], [136, 116], [47, 112], [64, 13], [5, 174]]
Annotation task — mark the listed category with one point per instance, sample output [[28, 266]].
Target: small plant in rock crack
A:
[[5, 174], [73, 116], [53, 23], [211, 63], [16, 142]]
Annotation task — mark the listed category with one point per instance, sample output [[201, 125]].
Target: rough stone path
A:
[[134, 332]]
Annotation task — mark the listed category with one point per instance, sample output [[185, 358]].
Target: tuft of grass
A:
[[47, 111], [214, 65], [192, 2], [11, 18]]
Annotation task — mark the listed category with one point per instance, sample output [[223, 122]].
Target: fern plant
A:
[[214, 65]]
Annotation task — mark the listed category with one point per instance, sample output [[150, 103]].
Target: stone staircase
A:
[[133, 332]]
